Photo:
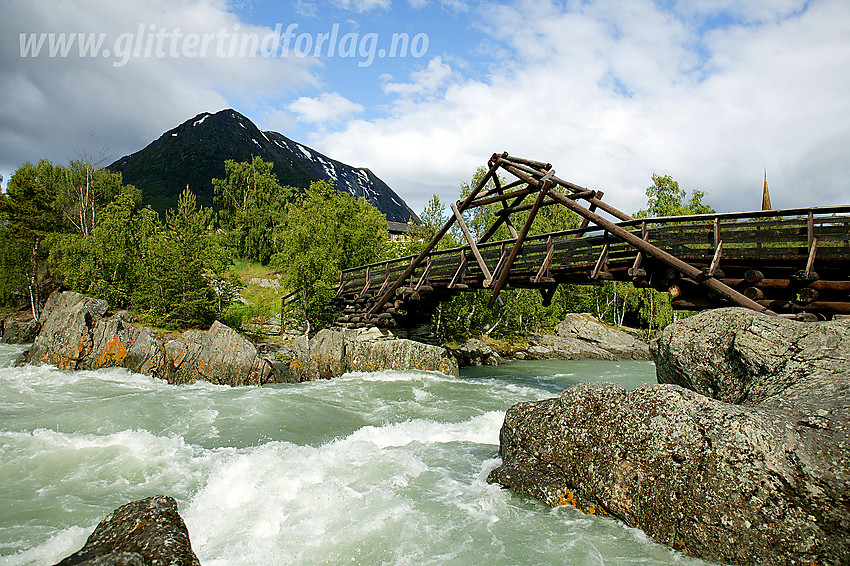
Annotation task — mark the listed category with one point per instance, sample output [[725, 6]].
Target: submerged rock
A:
[[77, 334], [332, 352], [148, 532], [766, 483]]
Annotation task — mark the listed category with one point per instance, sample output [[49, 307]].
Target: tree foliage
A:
[[325, 232], [253, 204], [666, 198]]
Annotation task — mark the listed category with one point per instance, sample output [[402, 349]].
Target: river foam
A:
[[370, 468]]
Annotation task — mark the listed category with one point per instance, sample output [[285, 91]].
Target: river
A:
[[369, 468]]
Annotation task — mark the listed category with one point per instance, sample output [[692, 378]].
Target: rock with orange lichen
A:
[[767, 483], [219, 356], [77, 334]]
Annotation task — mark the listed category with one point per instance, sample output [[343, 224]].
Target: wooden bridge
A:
[[786, 262]]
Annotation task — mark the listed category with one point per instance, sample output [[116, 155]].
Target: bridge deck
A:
[[775, 261], [764, 255]]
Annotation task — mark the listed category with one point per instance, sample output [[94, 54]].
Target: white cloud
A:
[[610, 93], [424, 82], [329, 107], [54, 107]]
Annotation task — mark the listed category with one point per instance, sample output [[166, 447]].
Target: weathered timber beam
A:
[[500, 264], [508, 222], [788, 284], [599, 204], [471, 241], [425, 275], [501, 219], [600, 263], [547, 261], [386, 280], [547, 202], [592, 208], [502, 197], [813, 250], [368, 281], [437, 237], [529, 162], [499, 187], [660, 254], [544, 189], [460, 273], [536, 173], [715, 261], [644, 234]]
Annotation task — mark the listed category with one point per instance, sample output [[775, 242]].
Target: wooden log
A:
[[437, 237], [601, 262], [472, 246], [460, 273], [675, 292], [753, 276], [425, 275], [813, 250], [508, 222], [718, 252], [547, 261], [806, 295], [805, 276], [544, 189], [665, 257], [523, 161], [754, 293]]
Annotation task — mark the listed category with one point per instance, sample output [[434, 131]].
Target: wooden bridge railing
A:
[[764, 238], [763, 260]]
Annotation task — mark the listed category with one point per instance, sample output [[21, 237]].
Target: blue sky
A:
[[711, 92]]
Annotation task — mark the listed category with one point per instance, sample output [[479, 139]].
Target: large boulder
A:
[[475, 352], [219, 356], [590, 330], [77, 334], [740, 356], [14, 331], [333, 352], [148, 532], [766, 483]]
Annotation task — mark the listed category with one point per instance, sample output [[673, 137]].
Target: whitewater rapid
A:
[[369, 468]]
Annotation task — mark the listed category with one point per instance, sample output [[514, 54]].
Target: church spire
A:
[[765, 197]]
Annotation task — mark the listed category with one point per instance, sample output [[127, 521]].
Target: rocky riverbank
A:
[[745, 461], [578, 337], [79, 332]]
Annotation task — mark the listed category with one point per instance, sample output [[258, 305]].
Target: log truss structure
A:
[[786, 262]]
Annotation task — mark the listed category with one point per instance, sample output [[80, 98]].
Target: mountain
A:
[[194, 152]]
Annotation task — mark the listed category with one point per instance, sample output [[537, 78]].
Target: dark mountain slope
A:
[[194, 152]]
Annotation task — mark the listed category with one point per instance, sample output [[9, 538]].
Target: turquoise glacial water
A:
[[370, 468]]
